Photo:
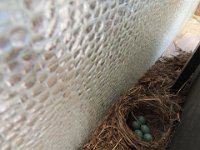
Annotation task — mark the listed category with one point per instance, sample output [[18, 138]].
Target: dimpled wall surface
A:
[[63, 62]]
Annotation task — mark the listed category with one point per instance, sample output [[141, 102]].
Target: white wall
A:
[[62, 63]]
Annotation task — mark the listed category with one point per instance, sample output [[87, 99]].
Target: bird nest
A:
[[156, 112], [150, 97]]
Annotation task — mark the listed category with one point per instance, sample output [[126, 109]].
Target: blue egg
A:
[[145, 129], [148, 137], [139, 133], [142, 119], [136, 125]]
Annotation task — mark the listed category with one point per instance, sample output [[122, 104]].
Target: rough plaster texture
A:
[[62, 63]]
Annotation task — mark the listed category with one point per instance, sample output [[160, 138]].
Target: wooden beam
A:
[[188, 69]]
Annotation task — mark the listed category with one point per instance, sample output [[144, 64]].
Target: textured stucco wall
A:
[[62, 63]]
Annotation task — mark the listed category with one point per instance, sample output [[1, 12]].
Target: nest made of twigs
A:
[[150, 97], [158, 119]]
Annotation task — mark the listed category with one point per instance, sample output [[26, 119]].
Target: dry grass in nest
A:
[[150, 97]]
